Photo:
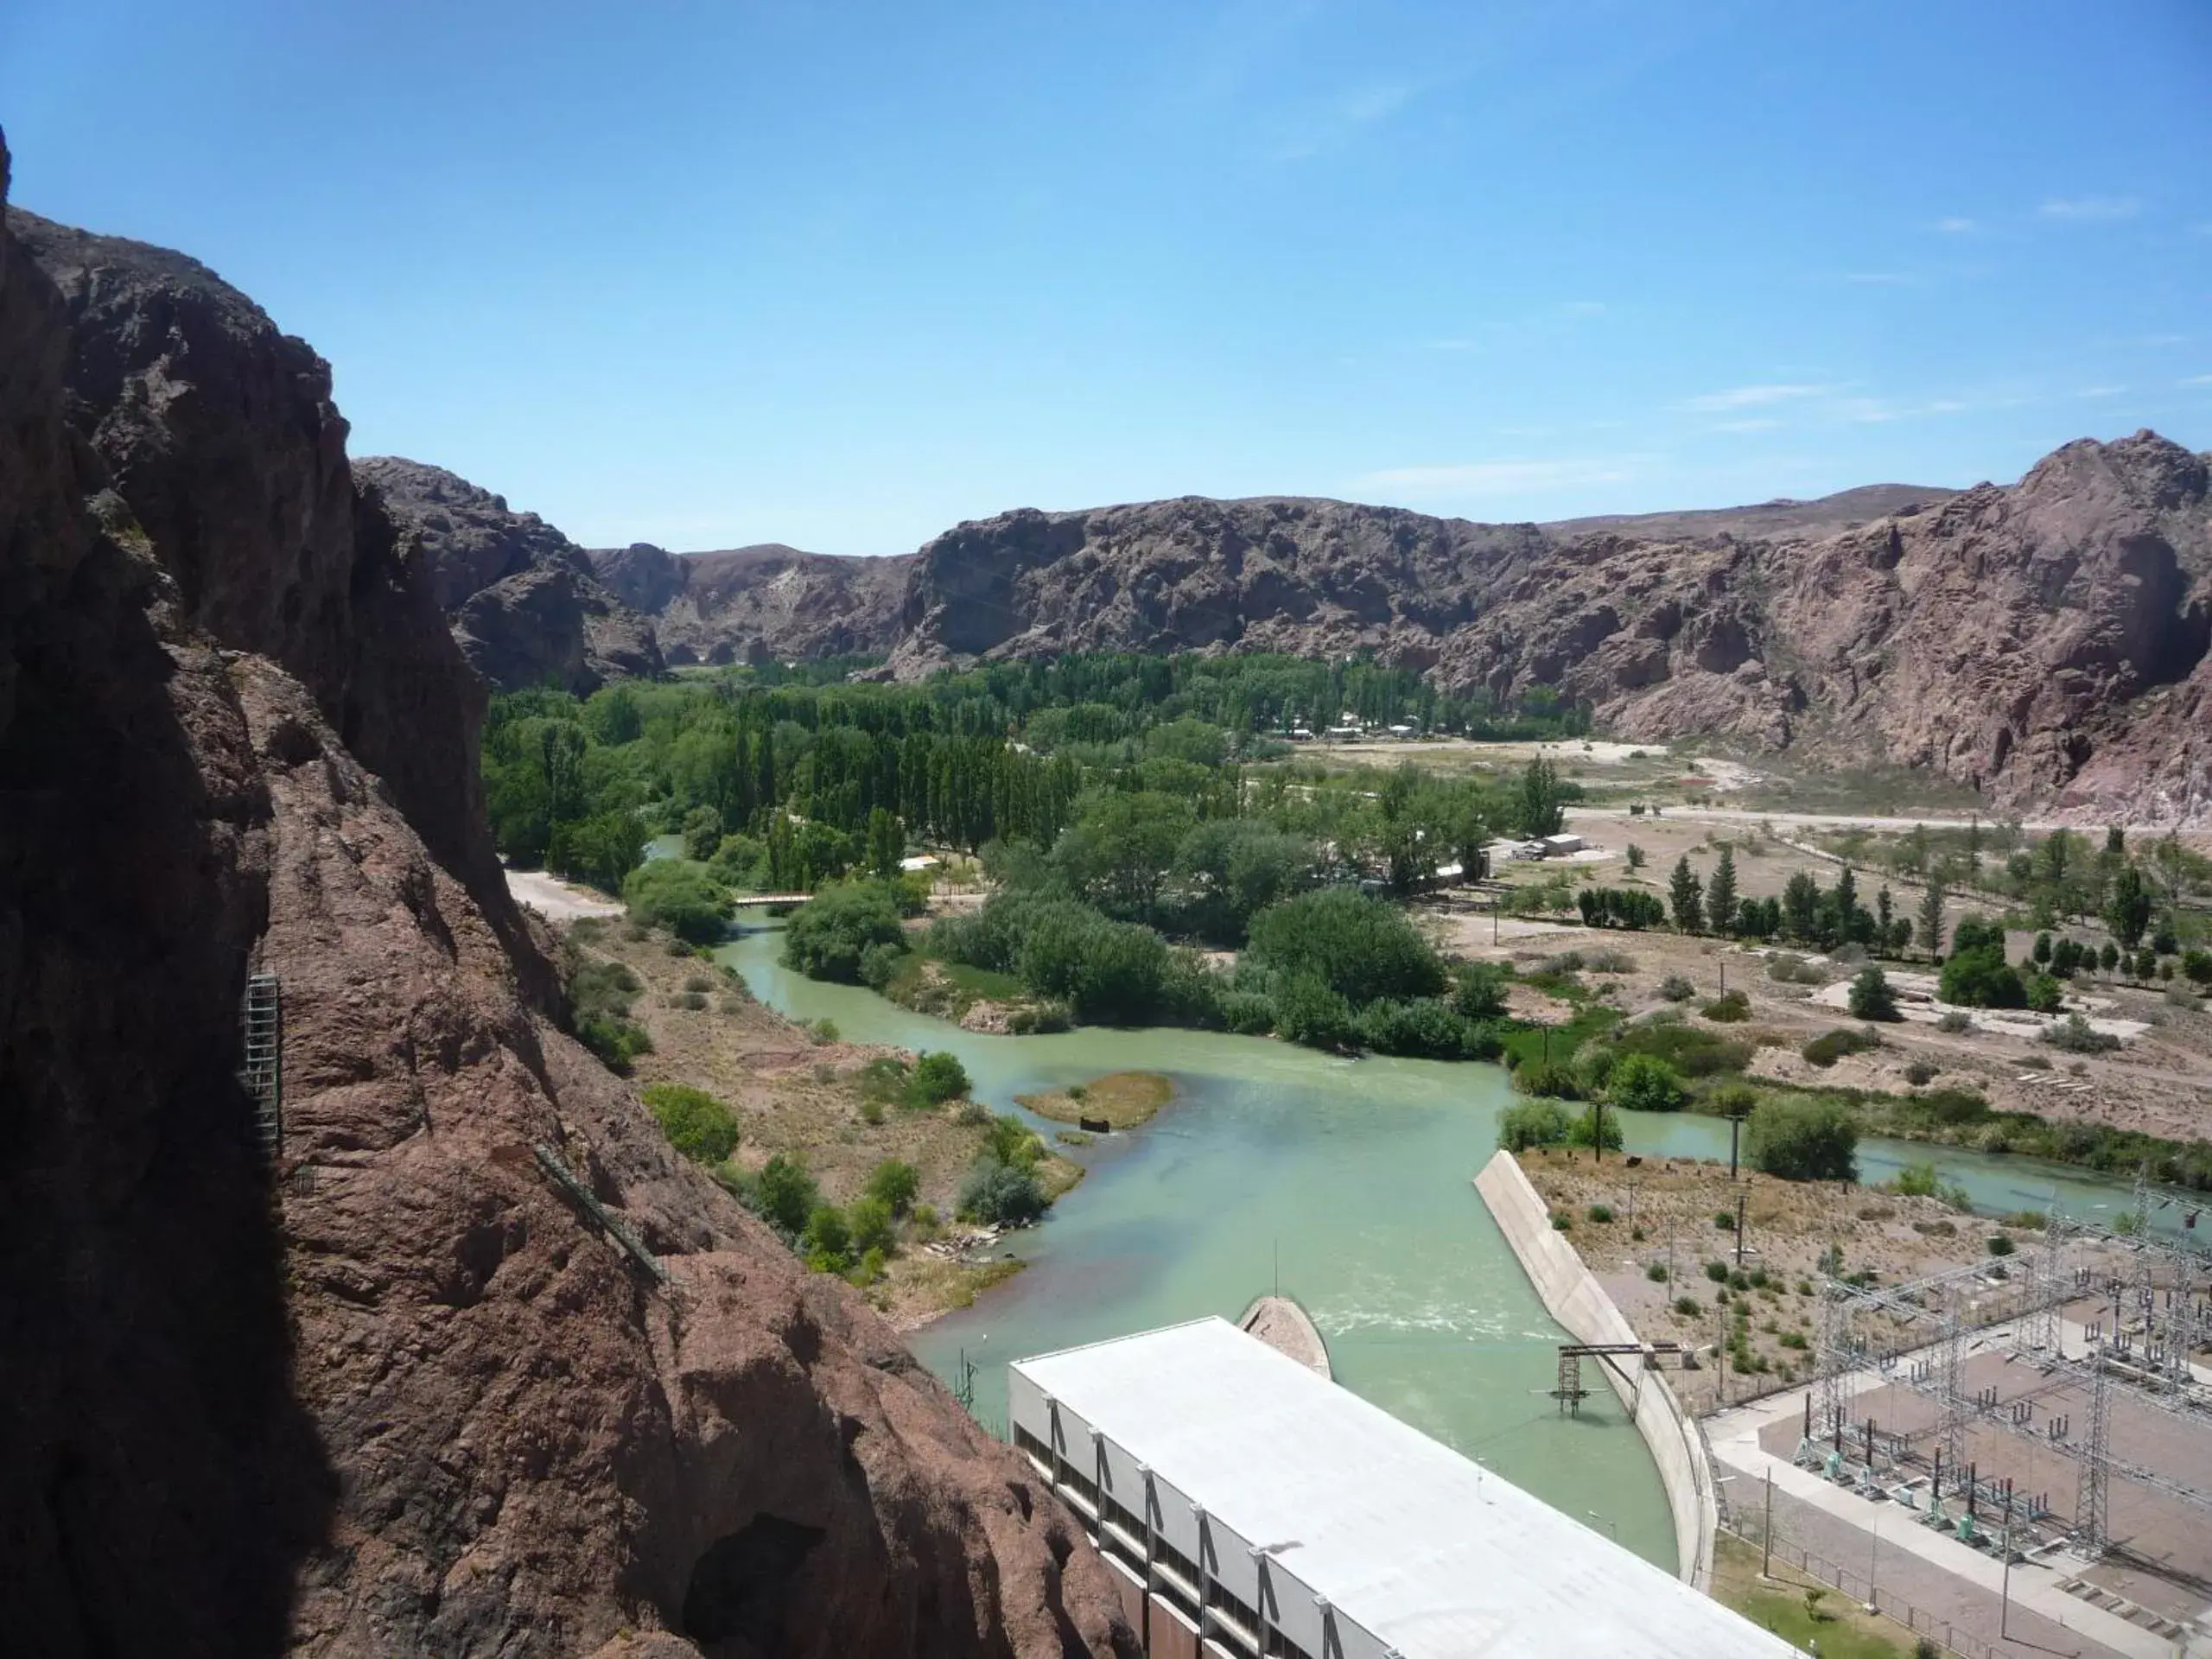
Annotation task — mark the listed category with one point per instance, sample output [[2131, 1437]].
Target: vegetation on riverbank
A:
[[1121, 1100]]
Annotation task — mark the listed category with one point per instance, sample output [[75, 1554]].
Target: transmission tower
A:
[[2091, 1515], [1951, 1425], [1835, 1359]]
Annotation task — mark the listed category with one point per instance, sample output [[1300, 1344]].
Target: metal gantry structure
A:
[[2028, 1320]]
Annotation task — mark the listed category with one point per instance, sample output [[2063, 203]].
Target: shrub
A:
[[1247, 1013], [937, 1078], [1562, 1222], [895, 1182], [1601, 1212], [828, 935], [1479, 990], [1803, 1140], [1831, 1046], [827, 1241], [879, 962], [2077, 1036], [696, 1124], [1870, 997], [785, 1195], [1725, 1220], [1000, 1193], [1787, 968], [1309, 1013], [1594, 1128], [1644, 1082], [2000, 1245], [1551, 1082], [1655, 1272], [680, 895], [1916, 1181], [1532, 1123], [1425, 1028], [2044, 995], [871, 1223], [1954, 1021], [2196, 966], [1718, 1271], [1687, 1307], [1676, 988], [1919, 1072], [1731, 1009]]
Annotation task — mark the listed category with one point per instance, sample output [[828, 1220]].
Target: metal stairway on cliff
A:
[[262, 1023]]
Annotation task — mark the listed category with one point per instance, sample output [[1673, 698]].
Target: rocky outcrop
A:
[[395, 1391], [525, 604], [767, 603], [2044, 643], [1273, 574]]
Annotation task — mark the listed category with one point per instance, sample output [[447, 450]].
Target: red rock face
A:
[[398, 1394], [769, 603]]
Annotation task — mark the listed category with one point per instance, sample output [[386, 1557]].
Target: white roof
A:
[[1405, 1536]]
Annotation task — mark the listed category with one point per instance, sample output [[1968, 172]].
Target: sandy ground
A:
[[558, 900], [2160, 1081], [1673, 1202]]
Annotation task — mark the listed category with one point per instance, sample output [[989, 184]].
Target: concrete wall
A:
[[1579, 1302]]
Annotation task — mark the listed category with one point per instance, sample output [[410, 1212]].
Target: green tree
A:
[[826, 1240], [1720, 895], [1480, 991], [1870, 997], [1635, 856], [1929, 923], [702, 833], [1801, 907], [871, 1222], [696, 1124], [1542, 808], [1001, 1194], [829, 933], [1532, 1123], [680, 896], [1800, 1139], [896, 1183], [1684, 896], [1644, 1083], [1359, 947], [1982, 978], [1309, 1013], [2128, 907]]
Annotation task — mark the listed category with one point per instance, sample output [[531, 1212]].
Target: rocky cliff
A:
[[524, 601], [2043, 642], [758, 604], [392, 1391]]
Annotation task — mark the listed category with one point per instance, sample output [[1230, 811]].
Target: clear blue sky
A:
[[842, 275]]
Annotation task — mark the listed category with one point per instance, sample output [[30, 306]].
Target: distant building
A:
[[1248, 1507], [1560, 846]]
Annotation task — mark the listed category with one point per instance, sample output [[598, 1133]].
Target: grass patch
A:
[[1844, 1630]]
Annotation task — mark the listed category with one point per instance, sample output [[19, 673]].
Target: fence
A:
[[1854, 1588]]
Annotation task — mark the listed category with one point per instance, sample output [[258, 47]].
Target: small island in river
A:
[[1120, 1100]]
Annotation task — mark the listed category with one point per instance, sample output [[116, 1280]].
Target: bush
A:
[[1870, 997], [871, 1221], [1532, 1123], [1718, 1271], [827, 1242], [1998, 1245], [895, 1182], [1919, 1072], [2196, 966], [1687, 1307], [1308, 1012], [1549, 1082], [1787, 968], [829, 934], [696, 1124], [680, 895], [1955, 1021], [1358, 947], [785, 1195], [2077, 1036], [1427, 1027], [1725, 1220], [1916, 1181], [1732, 1009], [1596, 1126], [1982, 978], [1001, 1194], [1479, 990], [879, 962], [1676, 988], [1601, 1213], [1247, 1013], [1655, 1272], [1644, 1082], [2044, 995], [937, 1078], [1831, 1046], [1803, 1140]]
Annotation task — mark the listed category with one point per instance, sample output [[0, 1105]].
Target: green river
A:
[[1350, 1183]]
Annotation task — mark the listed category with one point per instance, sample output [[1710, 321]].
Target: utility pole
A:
[[1597, 1131], [1735, 1136], [2004, 1591], [1766, 1529], [1741, 1199]]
